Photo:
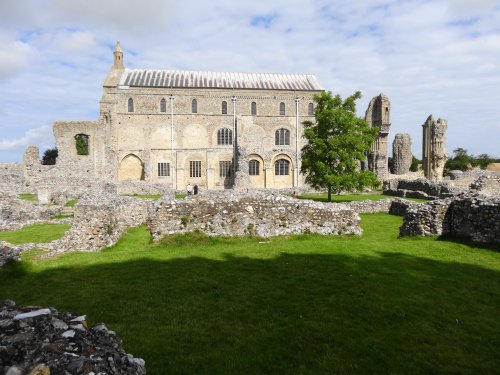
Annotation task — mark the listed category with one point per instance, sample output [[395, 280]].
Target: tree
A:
[[50, 156], [414, 164], [336, 145], [483, 160]]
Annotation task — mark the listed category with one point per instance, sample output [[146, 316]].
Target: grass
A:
[[38, 233], [63, 216], [29, 197], [304, 304], [180, 195], [147, 196], [71, 203], [373, 196]]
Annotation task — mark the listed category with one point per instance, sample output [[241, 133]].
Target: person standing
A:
[[189, 189]]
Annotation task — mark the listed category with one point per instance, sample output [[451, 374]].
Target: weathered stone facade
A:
[[174, 128], [378, 114], [401, 154], [434, 154]]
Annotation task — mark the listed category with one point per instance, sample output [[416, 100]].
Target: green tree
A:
[[461, 161], [414, 164], [336, 145], [483, 160], [50, 156]]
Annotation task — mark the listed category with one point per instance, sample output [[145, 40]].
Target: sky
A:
[[439, 57]]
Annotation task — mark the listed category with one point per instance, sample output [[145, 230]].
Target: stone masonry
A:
[[401, 154], [434, 154], [378, 114]]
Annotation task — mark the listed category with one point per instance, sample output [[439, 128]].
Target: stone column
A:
[[434, 154], [401, 154]]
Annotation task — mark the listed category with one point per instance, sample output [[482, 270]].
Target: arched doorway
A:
[[131, 168]]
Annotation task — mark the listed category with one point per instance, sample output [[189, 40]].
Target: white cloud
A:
[[14, 56], [36, 136]]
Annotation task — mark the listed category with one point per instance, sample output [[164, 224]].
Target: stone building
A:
[[434, 154], [178, 127], [378, 114]]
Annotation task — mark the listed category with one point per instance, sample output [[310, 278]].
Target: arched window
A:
[[224, 108], [282, 109], [130, 105], [82, 144], [253, 167], [163, 105], [310, 109], [282, 137], [281, 167], [224, 136], [254, 109], [194, 106], [386, 114]]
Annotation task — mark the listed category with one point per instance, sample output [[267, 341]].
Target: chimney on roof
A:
[[118, 54]]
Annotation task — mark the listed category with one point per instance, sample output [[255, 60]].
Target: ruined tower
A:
[[401, 154], [434, 154], [378, 114]]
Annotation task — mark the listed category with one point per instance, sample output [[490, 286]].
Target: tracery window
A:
[[194, 106], [281, 167], [163, 105], [254, 109], [224, 107], [310, 109], [130, 105], [282, 137], [282, 109], [224, 136], [253, 167], [225, 168]]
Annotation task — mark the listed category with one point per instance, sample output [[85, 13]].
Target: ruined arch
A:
[[131, 168]]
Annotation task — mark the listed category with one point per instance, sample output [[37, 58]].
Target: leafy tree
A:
[[414, 164], [483, 160], [336, 145], [50, 156], [461, 161]]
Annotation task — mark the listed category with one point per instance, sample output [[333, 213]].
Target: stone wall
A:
[[420, 188], [12, 179], [258, 214], [475, 217], [8, 253]]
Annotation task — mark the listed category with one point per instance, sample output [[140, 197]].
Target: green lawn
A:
[[29, 197], [38, 233], [373, 196], [296, 305], [71, 203]]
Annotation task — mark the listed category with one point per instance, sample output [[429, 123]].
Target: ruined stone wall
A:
[[434, 154], [378, 114], [420, 188], [261, 215], [12, 179], [8, 253], [475, 217], [401, 154]]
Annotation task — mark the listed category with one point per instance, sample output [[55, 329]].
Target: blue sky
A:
[[437, 57]]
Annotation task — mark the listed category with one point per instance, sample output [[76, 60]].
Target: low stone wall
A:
[[8, 253], [42, 341], [16, 213], [12, 179], [100, 219], [233, 214], [144, 187], [420, 188], [476, 217]]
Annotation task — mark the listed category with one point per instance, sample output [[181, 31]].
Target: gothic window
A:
[[224, 136], [310, 109], [281, 167], [282, 137], [163, 105], [130, 105], [195, 168], [194, 106], [224, 108], [253, 167], [254, 109], [225, 168], [282, 109], [163, 169], [82, 144]]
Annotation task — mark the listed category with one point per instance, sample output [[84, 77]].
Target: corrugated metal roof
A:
[[218, 80]]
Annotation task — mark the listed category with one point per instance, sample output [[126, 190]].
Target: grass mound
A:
[[306, 304]]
